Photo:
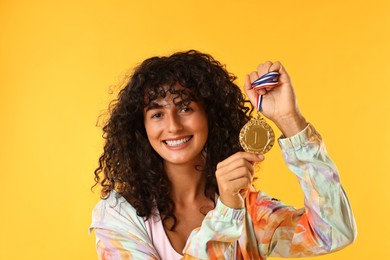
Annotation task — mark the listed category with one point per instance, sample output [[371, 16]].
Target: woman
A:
[[177, 185]]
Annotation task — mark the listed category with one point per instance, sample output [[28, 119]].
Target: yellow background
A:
[[59, 60]]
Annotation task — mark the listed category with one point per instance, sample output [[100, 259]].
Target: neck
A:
[[188, 182]]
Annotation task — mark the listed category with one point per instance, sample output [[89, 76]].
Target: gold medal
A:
[[257, 136]]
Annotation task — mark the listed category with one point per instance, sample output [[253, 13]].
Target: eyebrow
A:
[[156, 105], [153, 105]]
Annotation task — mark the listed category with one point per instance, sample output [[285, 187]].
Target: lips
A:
[[177, 142]]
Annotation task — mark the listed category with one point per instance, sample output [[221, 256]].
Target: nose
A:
[[174, 124]]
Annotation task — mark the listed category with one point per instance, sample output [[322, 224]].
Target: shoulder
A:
[[115, 212], [120, 232]]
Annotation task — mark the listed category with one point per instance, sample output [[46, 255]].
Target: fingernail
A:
[[260, 156]]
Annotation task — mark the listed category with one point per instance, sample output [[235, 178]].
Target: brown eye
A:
[[185, 109], [156, 115]]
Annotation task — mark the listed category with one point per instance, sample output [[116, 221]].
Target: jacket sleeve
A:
[[216, 237], [120, 233], [325, 224]]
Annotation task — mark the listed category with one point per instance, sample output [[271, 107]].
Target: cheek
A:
[[153, 138], [203, 127], [151, 131]]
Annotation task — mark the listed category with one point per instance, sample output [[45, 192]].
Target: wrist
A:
[[291, 125], [233, 202]]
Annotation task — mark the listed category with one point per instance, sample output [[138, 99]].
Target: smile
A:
[[177, 142]]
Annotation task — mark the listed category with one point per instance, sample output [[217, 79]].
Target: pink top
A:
[[160, 239]]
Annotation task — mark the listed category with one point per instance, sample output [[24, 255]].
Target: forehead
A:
[[167, 94]]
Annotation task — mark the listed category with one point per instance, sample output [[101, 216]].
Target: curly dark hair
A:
[[130, 166]]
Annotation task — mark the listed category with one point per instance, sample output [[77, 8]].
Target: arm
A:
[[120, 233], [326, 223], [223, 226], [215, 239]]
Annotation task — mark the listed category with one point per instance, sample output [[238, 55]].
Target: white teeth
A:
[[177, 142]]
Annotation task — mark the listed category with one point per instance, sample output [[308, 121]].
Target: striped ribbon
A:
[[267, 79]]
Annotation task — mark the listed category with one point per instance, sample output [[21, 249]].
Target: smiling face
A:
[[176, 131]]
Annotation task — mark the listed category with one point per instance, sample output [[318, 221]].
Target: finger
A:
[[276, 66], [234, 168], [255, 93], [252, 157], [269, 88], [239, 185], [247, 84], [250, 92], [253, 76], [233, 195], [283, 75], [264, 68], [229, 184], [225, 177]]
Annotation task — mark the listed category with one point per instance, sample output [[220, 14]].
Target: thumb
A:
[[250, 92]]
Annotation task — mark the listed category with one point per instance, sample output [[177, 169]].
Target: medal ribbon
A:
[[267, 79]]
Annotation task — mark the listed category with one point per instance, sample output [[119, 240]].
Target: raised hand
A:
[[279, 102]]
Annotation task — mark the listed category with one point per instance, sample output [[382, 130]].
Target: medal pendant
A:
[[257, 136]]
